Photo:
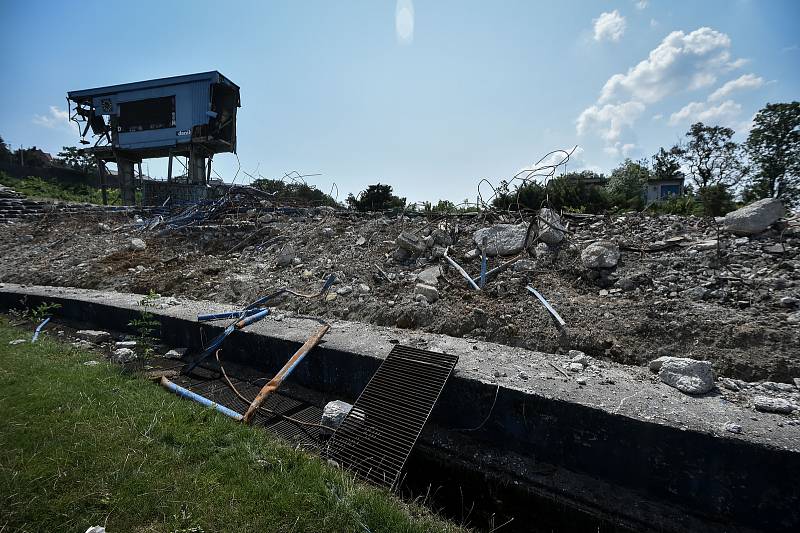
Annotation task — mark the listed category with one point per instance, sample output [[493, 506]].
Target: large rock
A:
[[121, 356], [430, 276], [501, 239], [430, 293], [411, 243], [754, 218], [773, 405], [285, 256], [551, 230], [334, 414], [92, 335], [137, 245], [687, 375], [600, 254]]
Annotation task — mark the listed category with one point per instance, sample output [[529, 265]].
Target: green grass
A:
[[87, 445], [35, 187]]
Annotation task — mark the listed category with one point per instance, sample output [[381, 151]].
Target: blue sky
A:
[[427, 96]]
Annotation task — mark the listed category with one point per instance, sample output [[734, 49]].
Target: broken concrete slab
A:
[[551, 229], [94, 336], [430, 293], [502, 239], [754, 218], [773, 405], [600, 254], [411, 243], [121, 356], [430, 276], [687, 375]]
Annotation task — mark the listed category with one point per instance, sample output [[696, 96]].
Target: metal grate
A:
[[385, 422]]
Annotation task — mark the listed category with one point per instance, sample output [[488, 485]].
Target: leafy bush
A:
[[294, 192], [376, 197]]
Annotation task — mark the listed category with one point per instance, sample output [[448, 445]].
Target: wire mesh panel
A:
[[385, 422]]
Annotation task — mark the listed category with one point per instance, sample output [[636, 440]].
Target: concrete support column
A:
[[127, 181], [197, 166]]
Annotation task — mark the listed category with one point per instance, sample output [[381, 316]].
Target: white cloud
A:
[[746, 81], [404, 21], [723, 114], [658, 116], [55, 118], [681, 61], [653, 23], [642, 4], [609, 26], [619, 148], [609, 119], [792, 48]]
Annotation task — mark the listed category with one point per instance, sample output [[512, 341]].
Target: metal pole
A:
[[101, 169]]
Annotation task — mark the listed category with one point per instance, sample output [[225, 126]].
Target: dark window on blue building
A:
[[150, 114], [670, 190]]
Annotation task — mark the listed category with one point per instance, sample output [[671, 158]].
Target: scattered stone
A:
[[103, 226], [472, 254], [600, 254], [577, 356], [176, 353], [523, 375], [125, 344], [626, 284], [733, 428], [775, 248], [773, 405], [430, 293], [581, 380], [778, 387], [285, 256], [730, 384], [501, 239], [137, 245], [361, 241], [363, 287], [790, 301], [91, 362], [121, 356], [344, 290], [754, 218], [697, 293], [551, 229], [523, 265], [575, 367], [331, 296], [430, 276], [687, 375], [334, 414], [411, 243], [327, 233], [18, 341], [93, 336]]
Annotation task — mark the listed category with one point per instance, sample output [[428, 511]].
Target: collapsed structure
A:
[[192, 116]]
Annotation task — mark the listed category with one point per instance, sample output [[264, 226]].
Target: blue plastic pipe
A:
[[186, 393], [39, 329], [246, 321], [230, 314]]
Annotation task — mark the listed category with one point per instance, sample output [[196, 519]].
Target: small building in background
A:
[[658, 189]]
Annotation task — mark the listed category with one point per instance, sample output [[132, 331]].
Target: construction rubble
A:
[[699, 303]]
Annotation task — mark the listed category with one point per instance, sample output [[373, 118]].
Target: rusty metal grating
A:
[[377, 436]]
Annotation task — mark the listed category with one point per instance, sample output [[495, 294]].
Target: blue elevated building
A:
[[192, 116]]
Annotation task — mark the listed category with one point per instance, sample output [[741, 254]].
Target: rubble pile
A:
[[631, 288]]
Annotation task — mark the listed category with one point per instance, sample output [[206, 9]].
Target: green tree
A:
[[73, 157], [627, 182], [666, 164], [5, 153], [711, 156], [376, 197], [714, 162], [774, 148]]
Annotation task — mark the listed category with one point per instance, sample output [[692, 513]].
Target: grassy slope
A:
[[85, 445], [34, 187]]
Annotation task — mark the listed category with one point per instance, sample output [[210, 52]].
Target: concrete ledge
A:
[[641, 436]]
